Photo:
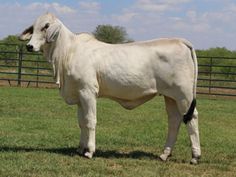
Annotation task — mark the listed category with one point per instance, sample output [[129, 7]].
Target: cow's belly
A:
[[131, 104], [129, 93]]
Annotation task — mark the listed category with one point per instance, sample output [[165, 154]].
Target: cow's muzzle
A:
[[29, 48]]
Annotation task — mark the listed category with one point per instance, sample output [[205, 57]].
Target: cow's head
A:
[[45, 30]]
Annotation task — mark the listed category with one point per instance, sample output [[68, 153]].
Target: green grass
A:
[[39, 136]]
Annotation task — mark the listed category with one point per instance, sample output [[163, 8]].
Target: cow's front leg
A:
[[87, 123]]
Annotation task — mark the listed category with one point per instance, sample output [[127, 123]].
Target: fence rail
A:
[[216, 76]]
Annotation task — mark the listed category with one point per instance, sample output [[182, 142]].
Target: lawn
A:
[[39, 136]]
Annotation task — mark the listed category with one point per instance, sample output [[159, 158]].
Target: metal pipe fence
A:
[[216, 76], [20, 68]]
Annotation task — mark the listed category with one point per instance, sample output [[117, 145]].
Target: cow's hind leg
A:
[[187, 109], [174, 121], [193, 132]]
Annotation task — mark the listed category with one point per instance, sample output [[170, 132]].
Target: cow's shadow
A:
[[132, 155], [72, 151]]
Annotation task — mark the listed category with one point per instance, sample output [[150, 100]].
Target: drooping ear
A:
[[52, 32], [27, 33]]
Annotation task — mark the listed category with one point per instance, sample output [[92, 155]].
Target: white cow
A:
[[131, 74]]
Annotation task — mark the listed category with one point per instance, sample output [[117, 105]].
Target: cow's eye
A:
[[45, 27]]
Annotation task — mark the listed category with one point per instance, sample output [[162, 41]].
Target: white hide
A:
[[130, 74]]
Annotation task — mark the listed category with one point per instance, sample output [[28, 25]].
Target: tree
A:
[[12, 39], [111, 34], [9, 47]]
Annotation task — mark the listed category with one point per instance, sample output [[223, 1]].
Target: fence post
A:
[[37, 83], [20, 56], [211, 63]]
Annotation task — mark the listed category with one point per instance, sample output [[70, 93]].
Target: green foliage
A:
[[216, 52], [39, 135], [111, 34], [11, 39]]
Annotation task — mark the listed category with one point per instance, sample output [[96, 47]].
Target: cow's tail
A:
[[189, 115]]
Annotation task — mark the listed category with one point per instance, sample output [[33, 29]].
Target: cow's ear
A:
[[27, 33], [52, 32]]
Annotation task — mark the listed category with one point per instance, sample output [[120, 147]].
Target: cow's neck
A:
[[57, 53]]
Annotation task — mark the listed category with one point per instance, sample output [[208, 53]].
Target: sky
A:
[[206, 23]]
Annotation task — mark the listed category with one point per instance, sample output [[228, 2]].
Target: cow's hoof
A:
[[164, 157], [194, 160], [88, 155], [85, 152]]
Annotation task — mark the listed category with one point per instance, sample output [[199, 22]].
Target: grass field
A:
[[39, 136]]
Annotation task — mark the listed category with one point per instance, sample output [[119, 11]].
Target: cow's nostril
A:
[[29, 47]]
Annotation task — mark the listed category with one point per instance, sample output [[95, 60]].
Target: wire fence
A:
[[216, 76]]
